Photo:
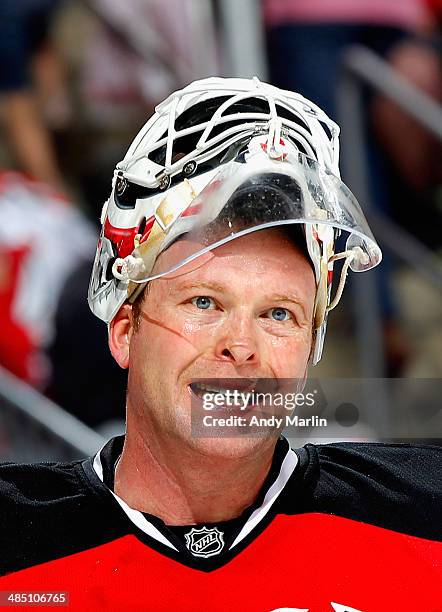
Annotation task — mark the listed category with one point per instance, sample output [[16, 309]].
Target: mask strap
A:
[[350, 255], [127, 268]]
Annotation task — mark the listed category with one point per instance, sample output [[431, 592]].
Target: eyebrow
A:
[[277, 297], [201, 285]]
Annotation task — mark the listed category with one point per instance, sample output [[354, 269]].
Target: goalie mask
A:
[[220, 159]]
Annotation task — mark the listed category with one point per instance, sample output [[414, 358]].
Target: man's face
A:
[[242, 311]]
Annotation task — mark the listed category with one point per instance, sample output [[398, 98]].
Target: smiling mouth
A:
[[233, 394]]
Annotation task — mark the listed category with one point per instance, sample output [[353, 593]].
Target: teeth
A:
[[201, 389], [210, 389]]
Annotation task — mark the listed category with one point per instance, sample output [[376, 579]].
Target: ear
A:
[[120, 333]]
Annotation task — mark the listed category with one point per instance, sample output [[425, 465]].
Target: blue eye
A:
[[203, 302], [279, 314]]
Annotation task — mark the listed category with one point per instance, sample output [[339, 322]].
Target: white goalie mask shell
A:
[[184, 170]]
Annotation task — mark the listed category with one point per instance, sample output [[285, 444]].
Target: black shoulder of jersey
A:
[[49, 510], [394, 486]]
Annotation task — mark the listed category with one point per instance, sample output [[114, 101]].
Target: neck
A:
[[183, 485]]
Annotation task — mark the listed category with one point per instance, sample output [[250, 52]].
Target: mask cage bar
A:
[[262, 117], [326, 146], [240, 131]]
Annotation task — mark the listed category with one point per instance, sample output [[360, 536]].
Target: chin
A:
[[230, 448]]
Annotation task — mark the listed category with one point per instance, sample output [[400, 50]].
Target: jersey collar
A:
[[283, 465]]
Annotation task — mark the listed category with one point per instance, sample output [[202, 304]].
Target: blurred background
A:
[[78, 78]]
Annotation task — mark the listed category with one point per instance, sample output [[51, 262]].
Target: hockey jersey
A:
[[343, 526]]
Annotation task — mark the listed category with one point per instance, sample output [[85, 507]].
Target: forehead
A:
[[263, 259]]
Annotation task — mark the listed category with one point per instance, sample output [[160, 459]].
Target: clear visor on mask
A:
[[251, 193]]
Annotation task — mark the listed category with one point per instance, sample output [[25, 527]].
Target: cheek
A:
[[157, 360], [189, 335], [288, 356], [164, 350]]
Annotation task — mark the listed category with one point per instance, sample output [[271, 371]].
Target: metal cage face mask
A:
[[246, 171]]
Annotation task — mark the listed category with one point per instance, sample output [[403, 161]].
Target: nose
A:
[[237, 344]]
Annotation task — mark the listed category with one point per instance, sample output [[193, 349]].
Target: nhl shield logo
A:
[[204, 542]]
